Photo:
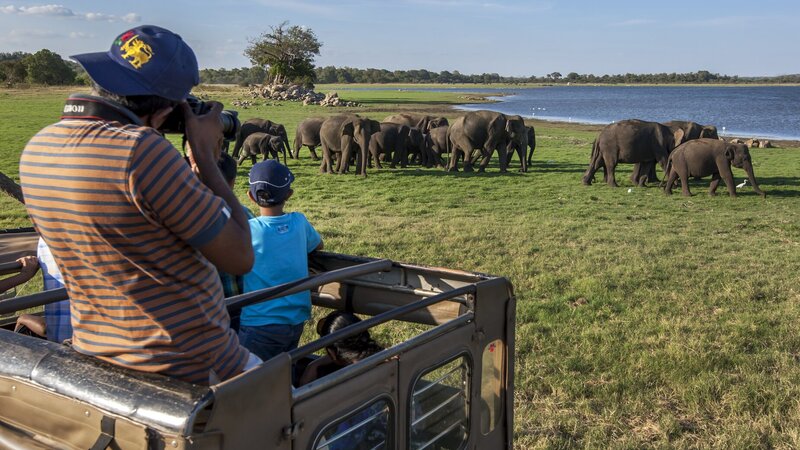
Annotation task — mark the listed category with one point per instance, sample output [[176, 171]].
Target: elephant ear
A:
[[730, 152], [678, 135], [348, 129]]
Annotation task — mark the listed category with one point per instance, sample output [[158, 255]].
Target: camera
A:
[[176, 122]]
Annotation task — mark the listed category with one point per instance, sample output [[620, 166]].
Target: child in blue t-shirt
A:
[[281, 243]]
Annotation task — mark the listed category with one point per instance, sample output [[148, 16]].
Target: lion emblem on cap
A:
[[136, 51]]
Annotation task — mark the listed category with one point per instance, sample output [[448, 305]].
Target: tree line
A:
[[43, 67], [346, 75], [48, 68]]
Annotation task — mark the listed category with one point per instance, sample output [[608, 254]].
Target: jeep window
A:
[[366, 428], [440, 407], [491, 386]]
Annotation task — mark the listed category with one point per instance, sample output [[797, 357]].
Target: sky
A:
[[511, 38]]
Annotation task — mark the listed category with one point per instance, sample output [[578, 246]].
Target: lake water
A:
[[758, 111]]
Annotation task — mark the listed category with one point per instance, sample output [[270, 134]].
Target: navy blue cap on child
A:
[[146, 60], [273, 178]]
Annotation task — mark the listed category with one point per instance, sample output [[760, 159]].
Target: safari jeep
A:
[[448, 385]]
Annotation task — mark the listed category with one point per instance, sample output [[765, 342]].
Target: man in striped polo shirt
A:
[[135, 233]]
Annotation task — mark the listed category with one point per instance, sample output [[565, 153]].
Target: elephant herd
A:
[[683, 149], [398, 140]]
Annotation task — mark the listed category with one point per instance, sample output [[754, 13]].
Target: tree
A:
[[287, 51], [46, 67], [12, 68], [555, 75]]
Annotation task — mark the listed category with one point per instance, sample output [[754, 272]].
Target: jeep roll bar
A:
[[234, 303]]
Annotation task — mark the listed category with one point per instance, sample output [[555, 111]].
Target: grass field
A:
[[643, 320]]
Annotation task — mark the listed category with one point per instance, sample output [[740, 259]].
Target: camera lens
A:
[[230, 124]]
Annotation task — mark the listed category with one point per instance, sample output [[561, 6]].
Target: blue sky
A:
[[513, 38]]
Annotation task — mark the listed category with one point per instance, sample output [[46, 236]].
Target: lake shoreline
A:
[[489, 99]]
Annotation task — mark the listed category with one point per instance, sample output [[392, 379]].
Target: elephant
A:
[[531, 143], [259, 125], [531, 138], [340, 134], [436, 144], [417, 151], [630, 141], [487, 131], [392, 142], [702, 157], [691, 131], [422, 121], [264, 144], [307, 133]]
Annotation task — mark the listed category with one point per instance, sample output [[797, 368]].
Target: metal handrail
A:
[[364, 325], [365, 365], [233, 303], [240, 301], [10, 267], [15, 304]]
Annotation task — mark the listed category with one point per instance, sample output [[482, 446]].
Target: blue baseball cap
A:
[[146, 60], [273, 178]]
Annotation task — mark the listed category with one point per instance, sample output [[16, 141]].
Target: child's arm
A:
[[312, 236]]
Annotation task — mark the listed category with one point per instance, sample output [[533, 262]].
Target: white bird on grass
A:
[[742, 184]]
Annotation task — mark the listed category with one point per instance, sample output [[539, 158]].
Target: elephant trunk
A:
[[748, 167], [362, 139], [285, 141]]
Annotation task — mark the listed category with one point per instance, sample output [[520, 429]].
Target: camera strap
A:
[[89, 107]]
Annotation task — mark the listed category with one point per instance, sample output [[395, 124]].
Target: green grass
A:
[[644, 321]]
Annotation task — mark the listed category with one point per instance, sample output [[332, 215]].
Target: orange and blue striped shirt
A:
[[124, 216]]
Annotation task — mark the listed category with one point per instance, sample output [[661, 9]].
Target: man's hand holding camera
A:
[[204, 137]]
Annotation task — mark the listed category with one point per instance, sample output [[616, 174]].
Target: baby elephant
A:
[[703, 157], [262, 144]]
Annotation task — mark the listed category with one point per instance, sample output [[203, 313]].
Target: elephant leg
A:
[[254, 160], [376, 152], [635, 173], [651, 174], [684, 176], [712, 188], [363, 157], [610, 165], [670, 182], [452, 164], [325, 167], [727, 176], [296, 149], [487, 156], [401, 153], [502, 155], [241, 158]]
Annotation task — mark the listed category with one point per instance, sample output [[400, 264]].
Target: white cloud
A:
[[474, 5], [39, 34], [81, 35], [299, 6], [131, 18], [633, 23], [63, 11]]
